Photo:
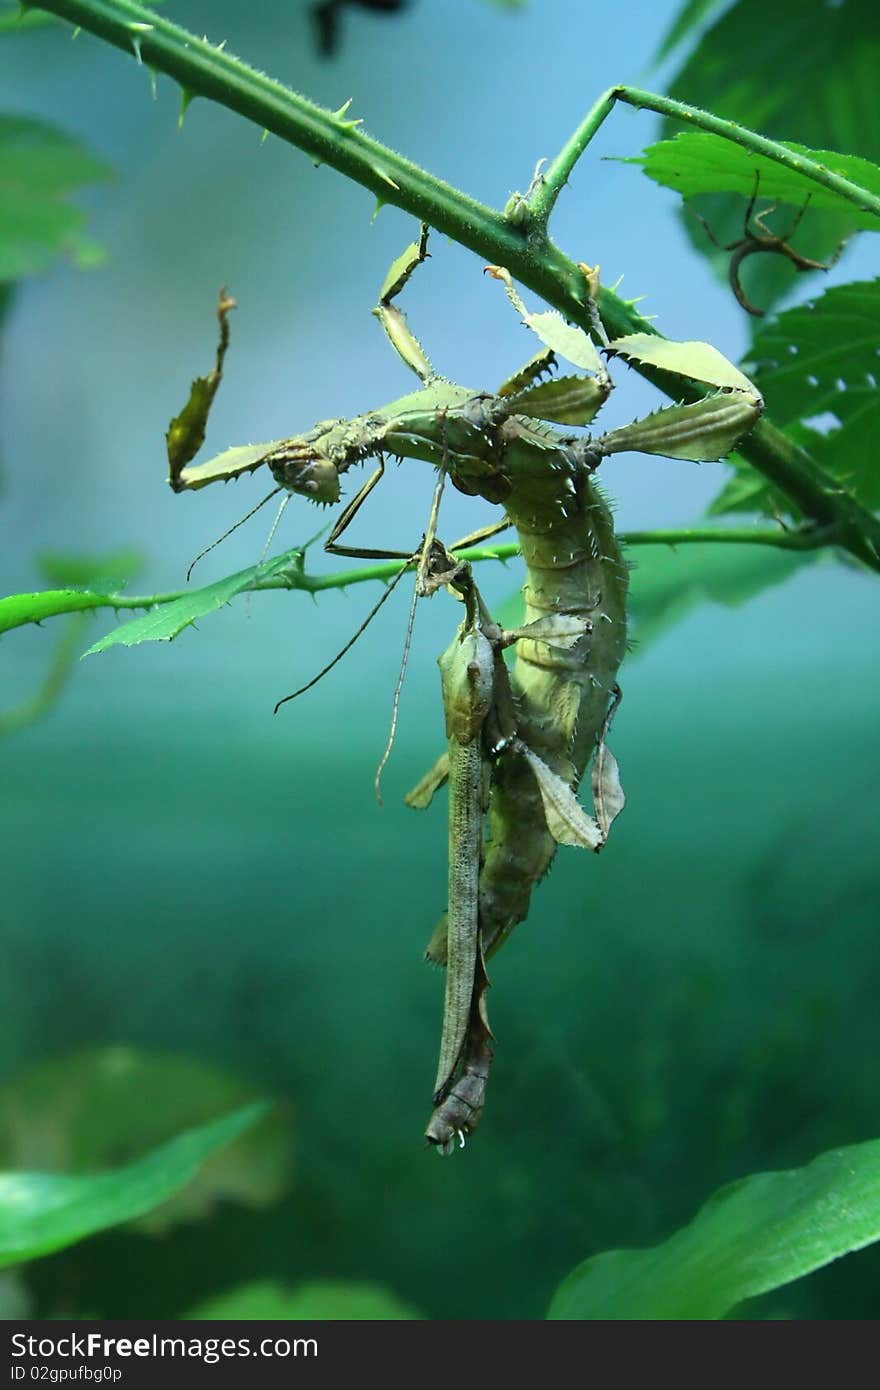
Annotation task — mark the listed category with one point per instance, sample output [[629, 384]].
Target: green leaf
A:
[[167, 621], [691, 14], [751, 1237], [113, 570], [697, 161], [39, 167], [108, 1105], [14, 19], [324, 1299], [42, 1212], [666, 584], [820, 359], [811, 70]]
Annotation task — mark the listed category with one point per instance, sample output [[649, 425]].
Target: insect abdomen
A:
[[573, 565]]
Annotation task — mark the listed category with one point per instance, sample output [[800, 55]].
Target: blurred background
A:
[[201, 902]]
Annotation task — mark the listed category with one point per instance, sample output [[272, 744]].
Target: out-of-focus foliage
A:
[[102, 1108], [750, 1238], [322, 1299], [667, 583], [40, 166], [42, 1212]]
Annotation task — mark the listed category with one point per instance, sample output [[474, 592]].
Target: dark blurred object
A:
[[327, 12]]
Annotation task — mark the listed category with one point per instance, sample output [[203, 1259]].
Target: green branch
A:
[[555, 177], [518, 240], [286, 572]]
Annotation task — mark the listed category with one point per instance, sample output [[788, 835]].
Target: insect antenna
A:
[[350, 643], [421, 588], [208, 548]]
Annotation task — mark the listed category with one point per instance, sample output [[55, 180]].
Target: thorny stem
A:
[[20, 609], [520, 244], [548, 187]]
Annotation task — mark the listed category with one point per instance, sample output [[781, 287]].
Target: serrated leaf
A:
[[698, 161], [567, 821], [751, 1237], [169, 619], [836, 50], [667, 583], [820, 359], [40, 166], [42, 1212]]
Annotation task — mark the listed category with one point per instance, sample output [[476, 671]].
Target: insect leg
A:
[[393, 320]]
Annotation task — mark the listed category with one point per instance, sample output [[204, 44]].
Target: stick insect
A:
[[481, 730], [558, 701]]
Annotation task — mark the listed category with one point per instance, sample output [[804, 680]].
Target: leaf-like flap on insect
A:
[[556, 629], [703, 432], [186, 432], [608, 795], [528, 374], [425, 789], [567, 821], [404, 341], [569, 400], [403, 267], [699, 361], [565, 339], [244, 458]]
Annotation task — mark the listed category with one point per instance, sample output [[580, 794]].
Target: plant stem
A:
[[20, 609], [555, 177], [522, 245]]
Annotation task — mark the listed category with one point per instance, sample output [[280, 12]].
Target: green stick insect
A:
[[518, 745]]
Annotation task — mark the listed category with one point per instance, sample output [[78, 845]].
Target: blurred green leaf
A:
[[113, 570], [666, 584], [324, 1300], [103, 1107], [41, 1212], [689, 16], [828, 96], [819, 361], [696, 161], [165, 622], [39, 167], [751, 1237], [16, 20], [51, 688]]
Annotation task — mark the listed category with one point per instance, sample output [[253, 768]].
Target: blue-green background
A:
[[182, 872]]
